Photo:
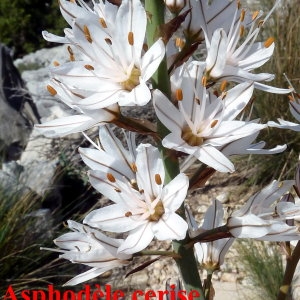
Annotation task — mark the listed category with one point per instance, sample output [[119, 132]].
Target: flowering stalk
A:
[[187, 263]]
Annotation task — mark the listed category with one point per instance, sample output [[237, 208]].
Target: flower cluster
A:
[[201, 116]]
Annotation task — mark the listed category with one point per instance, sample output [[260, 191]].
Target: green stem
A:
[[186, 263], [291, 265]]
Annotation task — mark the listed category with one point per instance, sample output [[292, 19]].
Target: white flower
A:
[[245, 146], [203, 123], [232, 56], [112, 157], [295, 111], [263, 217], [92, 248], [114, 69], [145, 208], [206, 16], [175, 6], [79, 122], [211, 255]]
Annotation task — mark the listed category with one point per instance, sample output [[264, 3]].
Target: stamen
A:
[[242, 16], [110, 177], [238, 3], [190, 138], [179, 95], [133, 184], [159, 210], [260, 23], [133, 79], [130, 38], [254, 15], [242, 30], [89, 67], [87, 34], [291, 98], [102, 23], [216, 93], [269, 42], [77, 95], [179, 43], [214, 123], [197, 100], [204, 81], [141, 191], [51, 90], [158, 179], [117, 190], [108, 41], [145, 47], [72, 57], [128, 214], [133, 167], [56, 63], [223, 85], [224, 94]]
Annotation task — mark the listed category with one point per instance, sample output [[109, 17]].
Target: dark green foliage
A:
[[22, 23]]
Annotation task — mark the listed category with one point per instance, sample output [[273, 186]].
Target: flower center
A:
[[133, 80], [191, 138], [159, 210]]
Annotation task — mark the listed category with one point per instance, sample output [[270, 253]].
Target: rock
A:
[[39, 164], [17, 110], [228, 277], [41, 222], [9, 175], [223, 197]]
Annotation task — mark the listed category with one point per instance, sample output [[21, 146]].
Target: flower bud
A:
[[175, 6]]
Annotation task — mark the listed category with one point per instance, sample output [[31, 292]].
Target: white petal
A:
[[111, 218], [109, 189], [140, 96], [216, 58], [295, 109], [167, 113], [90, 274], [288, 210], [149, 164], [265, 198], [131, 17], [214, 216], [66, 125], [248, 226], [54, 38], [138, 239], [271, 89], [236, 99], [175, 192], [214, 158], [170, 226], [102, 161], [259, 56], [285, 125], [152, 59], [280, 231]]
